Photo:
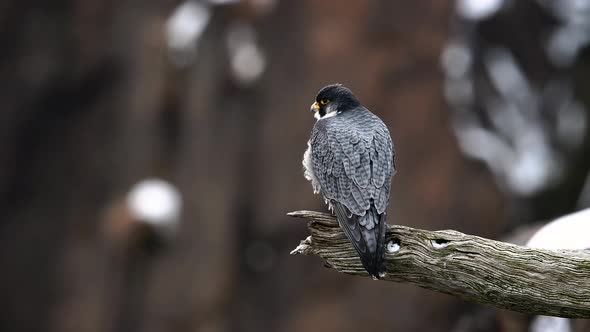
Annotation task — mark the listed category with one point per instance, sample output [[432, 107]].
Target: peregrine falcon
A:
[[350, 160]]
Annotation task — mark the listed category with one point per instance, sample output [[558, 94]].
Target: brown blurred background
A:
[[213, 97]]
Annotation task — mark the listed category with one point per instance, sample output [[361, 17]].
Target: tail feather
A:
[[367, 235]]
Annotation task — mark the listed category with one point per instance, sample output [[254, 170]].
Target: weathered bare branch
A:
[[534, 281]]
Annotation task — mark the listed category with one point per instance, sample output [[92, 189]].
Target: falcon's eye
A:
[[324, 101]]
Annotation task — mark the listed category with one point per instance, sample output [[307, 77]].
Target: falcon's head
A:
[[332, 100]]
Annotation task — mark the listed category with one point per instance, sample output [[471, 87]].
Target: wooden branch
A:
[[533, 281]]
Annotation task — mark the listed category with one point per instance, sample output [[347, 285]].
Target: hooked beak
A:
[[314, 107]]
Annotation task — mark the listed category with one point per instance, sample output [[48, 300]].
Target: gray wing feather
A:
[[353, 165]]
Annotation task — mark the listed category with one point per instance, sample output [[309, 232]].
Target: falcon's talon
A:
[[350, 159]]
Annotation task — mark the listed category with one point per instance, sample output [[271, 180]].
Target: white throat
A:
[[330, 112]]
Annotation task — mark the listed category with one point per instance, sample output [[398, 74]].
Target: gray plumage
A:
[[350, 161]]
